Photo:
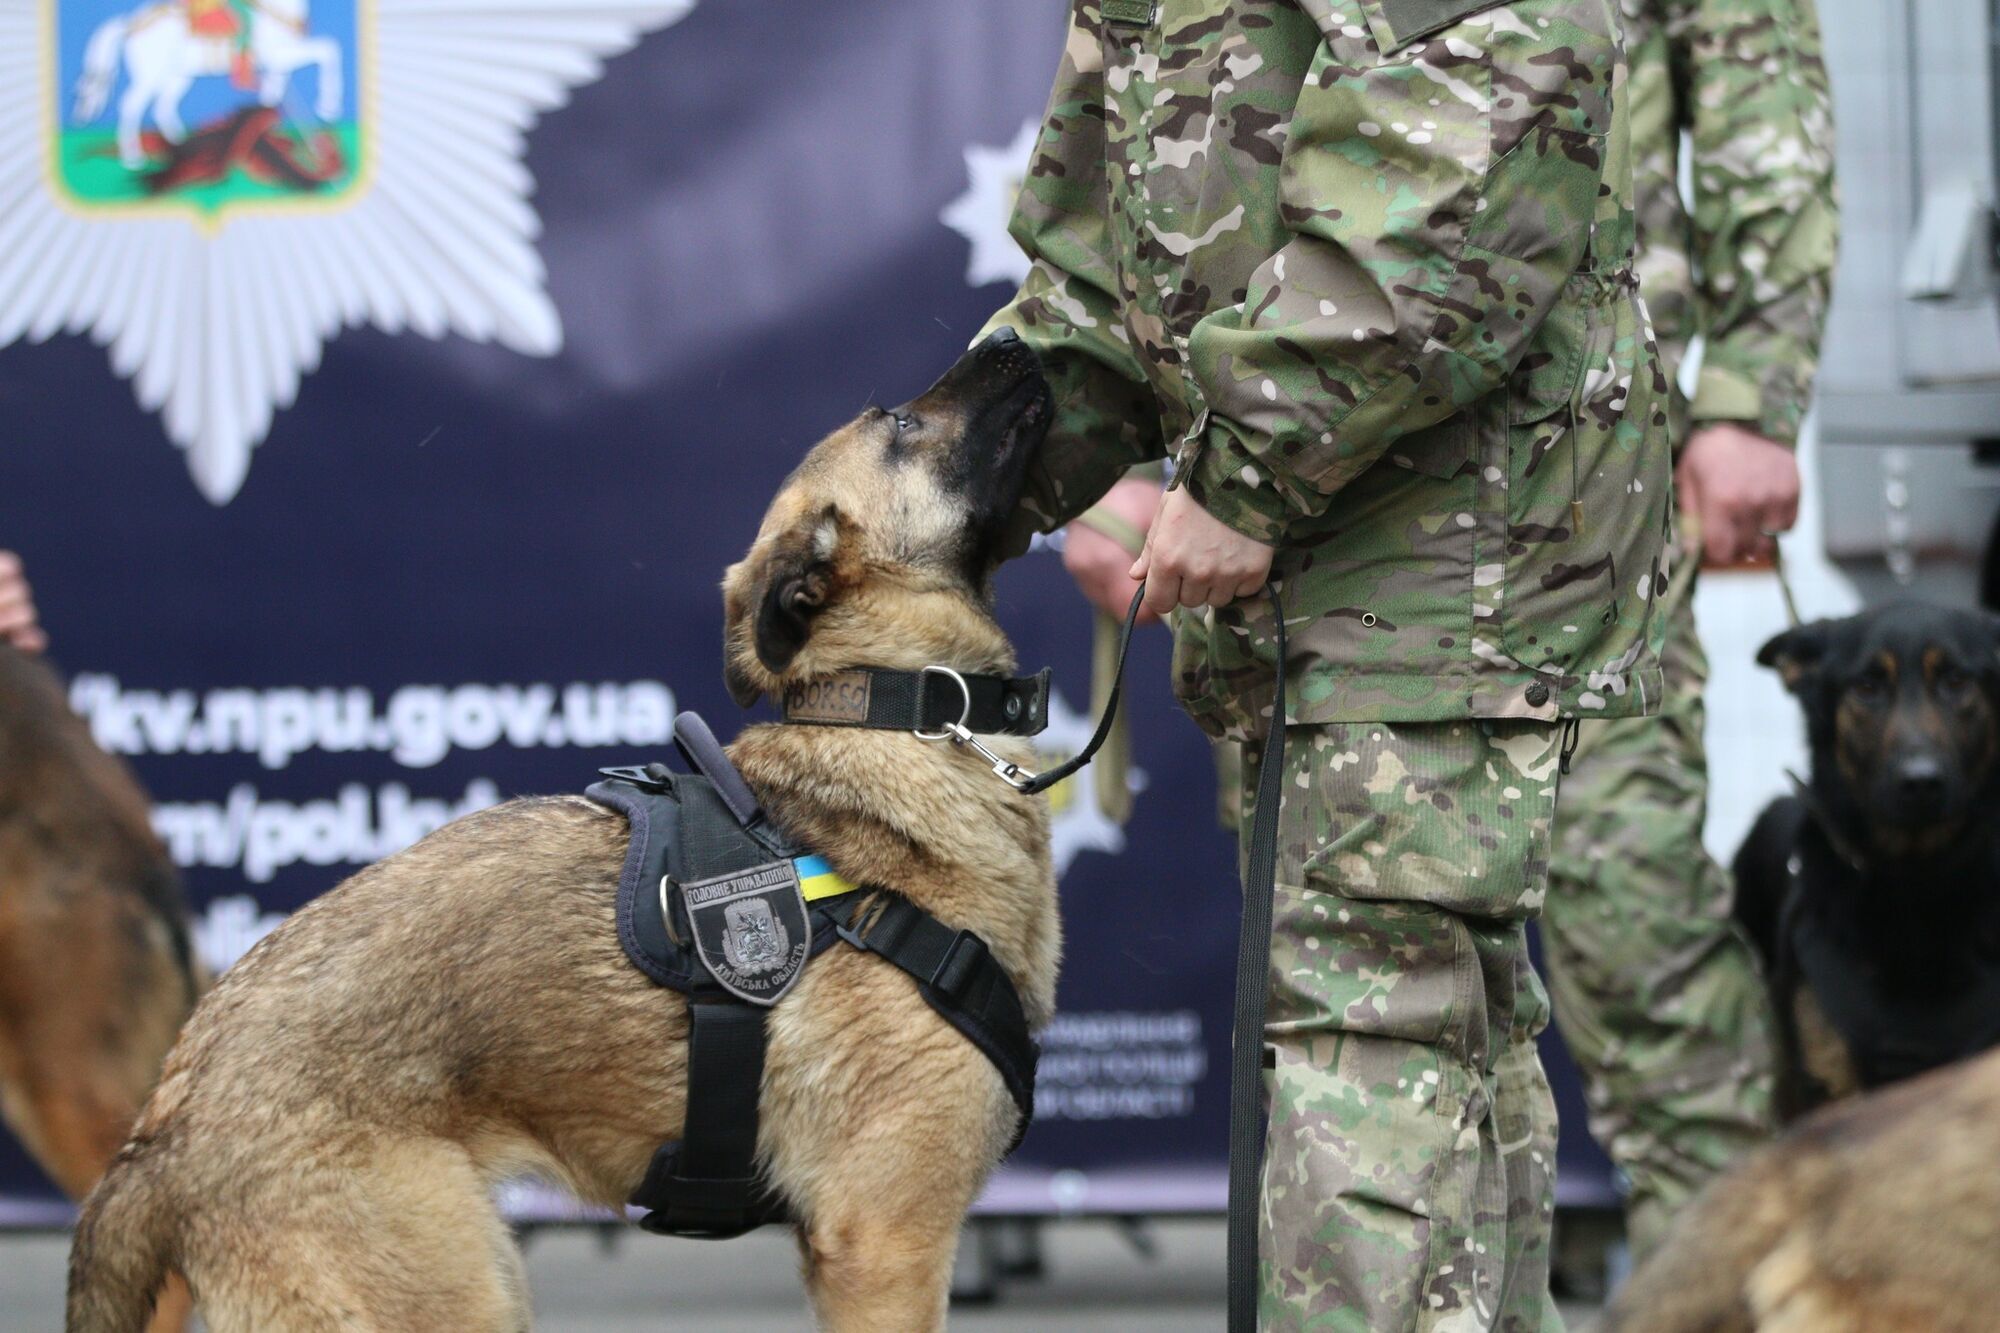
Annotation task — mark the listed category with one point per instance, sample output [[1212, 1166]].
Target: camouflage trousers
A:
[[1656, 993], [1409, 1168]]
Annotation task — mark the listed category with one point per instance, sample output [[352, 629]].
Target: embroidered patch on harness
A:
[[750, 930], [838, 698]]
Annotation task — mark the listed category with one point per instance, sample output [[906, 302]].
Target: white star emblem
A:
[[980, 214], [168, 187]]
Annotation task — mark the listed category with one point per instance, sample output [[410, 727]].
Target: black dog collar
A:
[[932, 700]]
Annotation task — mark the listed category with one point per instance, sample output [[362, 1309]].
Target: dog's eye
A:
[[1872, 686], [1954, 681], [904, 421]]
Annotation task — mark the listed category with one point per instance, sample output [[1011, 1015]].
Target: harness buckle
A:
[[1009, 772], [960, 963]]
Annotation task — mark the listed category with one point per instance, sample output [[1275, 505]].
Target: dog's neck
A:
[[926, 819], [1920, 916]]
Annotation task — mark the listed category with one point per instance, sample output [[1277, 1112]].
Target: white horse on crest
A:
[[163, 56]]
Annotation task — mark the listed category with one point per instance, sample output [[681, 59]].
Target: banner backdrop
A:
[[377, 415]]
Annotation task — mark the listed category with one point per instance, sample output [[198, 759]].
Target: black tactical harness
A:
[[702, 831], [712, 902]]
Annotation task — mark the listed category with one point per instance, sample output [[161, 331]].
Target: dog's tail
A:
[[120, 1257]]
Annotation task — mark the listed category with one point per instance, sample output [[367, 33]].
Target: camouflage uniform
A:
[[1365, 267], [1656, 994]]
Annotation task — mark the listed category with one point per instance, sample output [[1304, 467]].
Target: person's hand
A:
[[1193, 558], [1102, 566], [1736, 486], [17, 607]]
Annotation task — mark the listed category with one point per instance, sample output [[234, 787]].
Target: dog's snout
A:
[[1920, 778]]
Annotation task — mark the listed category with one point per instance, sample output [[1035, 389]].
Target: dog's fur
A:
[[1902, 709], [1877, 1215], [96, 973], [323, 1143]]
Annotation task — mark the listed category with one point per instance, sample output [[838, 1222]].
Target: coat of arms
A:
[[754, 941], [206, 104], [750, 929], [220, 186]]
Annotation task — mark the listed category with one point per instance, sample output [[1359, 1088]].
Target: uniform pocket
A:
[[1565, 450]]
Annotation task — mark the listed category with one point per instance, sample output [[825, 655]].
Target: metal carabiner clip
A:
[[1009, 772]]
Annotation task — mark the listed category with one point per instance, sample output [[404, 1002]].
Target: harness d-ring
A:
[[957, 733]]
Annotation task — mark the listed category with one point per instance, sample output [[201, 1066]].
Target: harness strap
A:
[[705, 755], [719, 1140], [958, 977], [1253, 980], [886, 700]]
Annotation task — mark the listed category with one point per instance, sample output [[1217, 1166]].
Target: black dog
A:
[[1872, 893]]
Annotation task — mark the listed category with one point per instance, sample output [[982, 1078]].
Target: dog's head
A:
[[1902, 707], [880, 549]]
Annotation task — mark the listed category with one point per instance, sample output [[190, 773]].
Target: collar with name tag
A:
[[930, 700]]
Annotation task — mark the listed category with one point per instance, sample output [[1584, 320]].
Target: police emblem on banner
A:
[[212, 189], [750, 929]]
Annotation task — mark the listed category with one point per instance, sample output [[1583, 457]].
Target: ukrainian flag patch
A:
[[817, 880]]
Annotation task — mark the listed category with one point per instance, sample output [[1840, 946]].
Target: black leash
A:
[[1253, 972], [1043, 781], [1253, 969]]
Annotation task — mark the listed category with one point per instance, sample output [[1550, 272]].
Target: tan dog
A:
[[1877, 1215], [96, 974], [323, 1143]]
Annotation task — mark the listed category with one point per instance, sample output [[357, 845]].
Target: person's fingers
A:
[[29, 640], [1118, 596], [1250, 587], [1163, 593], [1748, 538], [1781, 513], [1195, 591]]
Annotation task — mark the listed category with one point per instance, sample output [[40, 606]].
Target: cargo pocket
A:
[[1561, 578]]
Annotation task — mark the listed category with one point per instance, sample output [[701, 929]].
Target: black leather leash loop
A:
[[1043, 781], [1253, 972]]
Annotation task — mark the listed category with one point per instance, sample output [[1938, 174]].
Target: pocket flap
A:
[[1443, 450], [1408, 20]]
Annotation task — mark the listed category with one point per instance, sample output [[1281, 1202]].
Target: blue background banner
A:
[[457, 573]]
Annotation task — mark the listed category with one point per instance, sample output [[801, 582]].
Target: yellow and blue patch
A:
[[817, 879]]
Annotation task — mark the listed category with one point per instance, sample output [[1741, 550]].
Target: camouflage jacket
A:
[[1365, 266], [1752, 268]]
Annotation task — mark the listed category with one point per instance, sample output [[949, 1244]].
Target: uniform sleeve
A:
[[1068, 311], [1428, 237], [1766, 222]]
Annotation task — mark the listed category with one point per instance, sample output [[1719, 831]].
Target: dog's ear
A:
[[1797, 653], [774, 597], [800, 578]]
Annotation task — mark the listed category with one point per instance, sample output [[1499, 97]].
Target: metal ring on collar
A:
[[965, 692]]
